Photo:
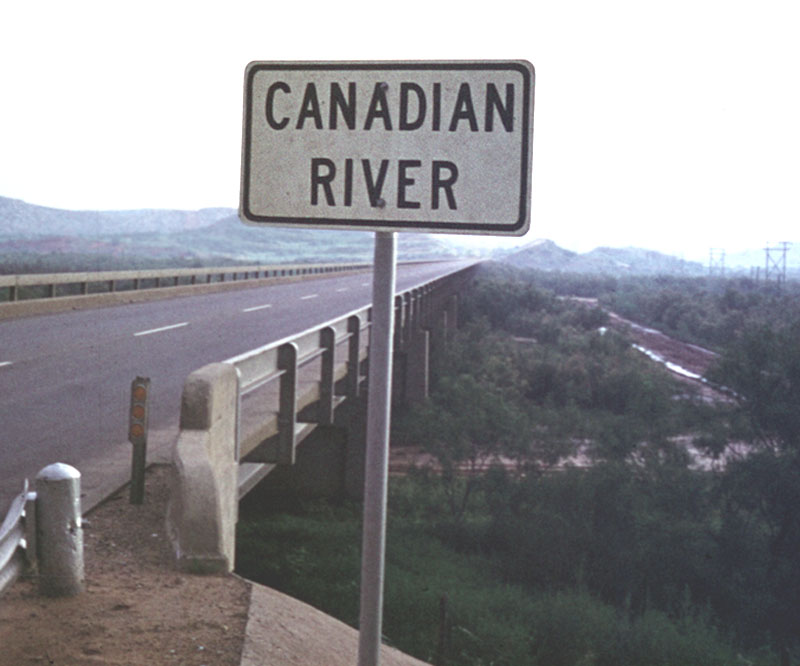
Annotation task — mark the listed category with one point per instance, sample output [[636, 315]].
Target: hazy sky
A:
[[669, 125]]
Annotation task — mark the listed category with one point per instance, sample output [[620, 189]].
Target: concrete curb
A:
[[279, 628]]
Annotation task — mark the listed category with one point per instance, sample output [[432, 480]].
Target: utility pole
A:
[[716, 262], [775, 263]]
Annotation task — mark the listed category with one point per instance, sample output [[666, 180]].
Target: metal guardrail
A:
[[17, 535], [110, 281]]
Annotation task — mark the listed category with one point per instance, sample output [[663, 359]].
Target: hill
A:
[[41, 239], [19, 219], [547, 256], [36, 238]]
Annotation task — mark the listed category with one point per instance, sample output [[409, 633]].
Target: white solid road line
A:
[[163, 328], [305, 298], [257, 307]]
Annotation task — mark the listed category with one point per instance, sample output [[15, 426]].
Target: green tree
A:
[[762, 488], [468, 425]]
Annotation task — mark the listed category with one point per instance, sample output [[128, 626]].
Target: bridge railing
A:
[[247, 415], [52, 285], [303, 370]]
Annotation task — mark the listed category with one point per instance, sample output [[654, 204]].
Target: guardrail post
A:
[[418, 351], [59, 530], [408, 315], [30, 526], [399, 317], [353, 356], [327, 340], [287, 410], [426, 305]]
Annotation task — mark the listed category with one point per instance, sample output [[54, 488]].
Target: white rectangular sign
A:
[[389, 146]]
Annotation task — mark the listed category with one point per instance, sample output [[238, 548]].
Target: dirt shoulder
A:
[[139, 609]]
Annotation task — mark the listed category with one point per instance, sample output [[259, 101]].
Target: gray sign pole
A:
[[377, 457]]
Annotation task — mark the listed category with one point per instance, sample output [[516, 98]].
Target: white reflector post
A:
[[377, 455]]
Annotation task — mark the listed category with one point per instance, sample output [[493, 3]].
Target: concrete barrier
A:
[[203, 508]]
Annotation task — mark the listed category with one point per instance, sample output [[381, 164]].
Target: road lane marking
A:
[[257, 307], [365, 284], [344, 289], [305, 298], [163, 328], [5, 363]]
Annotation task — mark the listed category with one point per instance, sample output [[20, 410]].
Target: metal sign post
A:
[[377, 458], [137, 435]]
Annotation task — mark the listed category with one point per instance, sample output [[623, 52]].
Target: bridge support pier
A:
[[417, 366], [451, 310]]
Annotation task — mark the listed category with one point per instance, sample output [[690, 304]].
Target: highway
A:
[[65, 378]]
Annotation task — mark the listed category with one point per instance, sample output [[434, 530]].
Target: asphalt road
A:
[[65, 378]]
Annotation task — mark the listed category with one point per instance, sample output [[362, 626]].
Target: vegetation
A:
[[566, 521]]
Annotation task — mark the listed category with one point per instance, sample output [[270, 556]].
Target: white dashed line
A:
[[365, 284], [305, 298], [344, 289], [163, 328], [257, 307]]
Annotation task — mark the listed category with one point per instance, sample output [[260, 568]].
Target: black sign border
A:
[[517, 228]]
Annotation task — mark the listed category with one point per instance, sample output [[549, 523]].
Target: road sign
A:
[[389, 146]]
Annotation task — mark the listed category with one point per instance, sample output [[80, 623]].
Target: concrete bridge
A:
[[292, 414]]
